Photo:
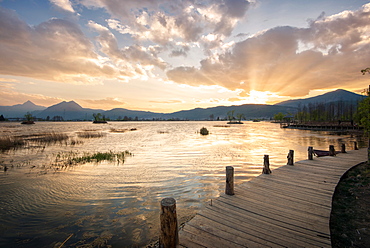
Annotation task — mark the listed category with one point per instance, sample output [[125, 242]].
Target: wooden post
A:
[[291, 157], [266, 165], [331, 150], [310, 153], [229, 190], [355, 145], [343, 150], [169, 236]]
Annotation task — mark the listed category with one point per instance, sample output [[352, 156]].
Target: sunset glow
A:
[[166, 56]]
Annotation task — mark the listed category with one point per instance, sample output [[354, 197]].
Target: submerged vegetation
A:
[[11, 143], [40, 140], [90, 134], [204, 131], [65, 159], [48, 138]]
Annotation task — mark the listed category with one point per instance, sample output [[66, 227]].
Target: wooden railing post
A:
[[331, 150], [169, 236], [310, 153], [266, 165], [355, 145], [229, 190], [291, 157], [343, 148]]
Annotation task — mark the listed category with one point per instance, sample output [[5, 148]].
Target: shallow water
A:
[[118, 205]]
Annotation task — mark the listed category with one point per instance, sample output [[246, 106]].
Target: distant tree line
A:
[[327, 112]]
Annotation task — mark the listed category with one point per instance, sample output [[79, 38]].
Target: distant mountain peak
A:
[[332, 96], [71, 106]]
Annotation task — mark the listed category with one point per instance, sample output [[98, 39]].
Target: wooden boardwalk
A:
[[288, 208]]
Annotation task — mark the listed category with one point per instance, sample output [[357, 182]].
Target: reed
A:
[[65, 159], [11, 143], [49, 138], [90, 134]]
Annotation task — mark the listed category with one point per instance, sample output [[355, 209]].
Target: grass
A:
[[90, 134], [11, 143], [350, 216], [48, 138], [204, 131], [65, 159]]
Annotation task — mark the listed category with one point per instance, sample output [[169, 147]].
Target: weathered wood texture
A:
[[229, 188], [169, 229], [310, 153], [290, 157], [289, 208], [266, 165]]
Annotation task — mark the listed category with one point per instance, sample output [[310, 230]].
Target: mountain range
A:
[[73, 111]]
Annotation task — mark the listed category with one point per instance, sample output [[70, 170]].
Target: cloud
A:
[[10, 97], [167, 101], [291, 61], [63, 4], [108, 102], [167, 21], [128, 55], [54, 50]]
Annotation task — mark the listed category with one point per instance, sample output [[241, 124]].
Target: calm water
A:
[[118, 205]]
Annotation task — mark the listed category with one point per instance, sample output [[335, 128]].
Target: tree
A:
[[364, 71], [28, 116], [98, 117], [279, 116], [230, 115], [239, 117], [363, 114]]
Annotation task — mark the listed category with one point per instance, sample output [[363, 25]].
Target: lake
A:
[[100, 204]]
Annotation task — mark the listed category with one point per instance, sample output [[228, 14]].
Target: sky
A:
[[171, 55]]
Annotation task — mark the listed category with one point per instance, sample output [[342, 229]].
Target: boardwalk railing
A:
[[290, 208]]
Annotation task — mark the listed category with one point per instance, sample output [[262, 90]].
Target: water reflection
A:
[[119, 204]]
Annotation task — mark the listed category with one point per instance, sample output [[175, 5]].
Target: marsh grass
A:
[[48, 138], [204, 131], [90, 134], [11, 143], [113, 130], [65, 159]]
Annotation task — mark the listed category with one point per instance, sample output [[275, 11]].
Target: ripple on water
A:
[[119, 204]]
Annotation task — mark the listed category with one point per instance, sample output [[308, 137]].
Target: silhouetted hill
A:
[[333, 96], [250, 111], [73, 111], [20, 110], [121, 113], [68, 111]]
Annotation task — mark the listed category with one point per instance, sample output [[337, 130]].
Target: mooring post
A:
[[229, 190], [310, 153], [266, 165], [355, 145], [331, 150], [343, 150], [169, 236], [291, 157]]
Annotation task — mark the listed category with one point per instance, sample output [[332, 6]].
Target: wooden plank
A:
[[220, 229], [269, 228], [289, 208], [303, 220]]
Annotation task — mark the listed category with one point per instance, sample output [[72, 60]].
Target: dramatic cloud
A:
[[53, 50], [9, 97], [63, 4], [109, 101], [165, 22], [291, 61], [135, 59]]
